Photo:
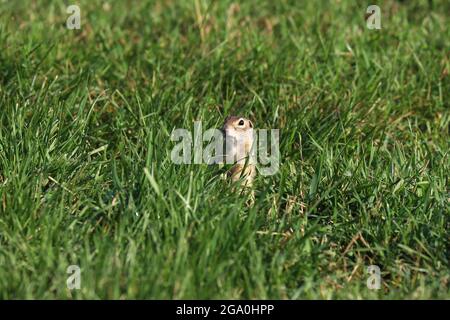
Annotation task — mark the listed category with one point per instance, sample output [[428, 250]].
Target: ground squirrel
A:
[[238, 137]]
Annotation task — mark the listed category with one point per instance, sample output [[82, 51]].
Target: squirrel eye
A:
[[241, 122]]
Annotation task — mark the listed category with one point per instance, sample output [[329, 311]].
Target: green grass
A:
[[364, 141]]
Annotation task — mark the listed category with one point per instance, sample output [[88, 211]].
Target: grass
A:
[[85, 170]]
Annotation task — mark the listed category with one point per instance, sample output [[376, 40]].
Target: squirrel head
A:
[[238, 127]]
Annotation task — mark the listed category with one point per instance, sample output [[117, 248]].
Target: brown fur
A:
[[246, 172]]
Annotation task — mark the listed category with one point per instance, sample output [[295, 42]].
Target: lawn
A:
[[86, 176]]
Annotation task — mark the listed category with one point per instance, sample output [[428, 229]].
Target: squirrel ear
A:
[[250, 123]]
